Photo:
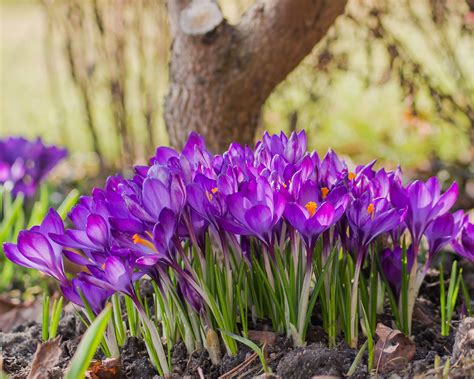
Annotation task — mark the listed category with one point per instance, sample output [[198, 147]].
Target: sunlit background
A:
[[393, 80]]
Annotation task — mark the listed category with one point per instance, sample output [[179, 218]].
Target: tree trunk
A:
[[221, 74]]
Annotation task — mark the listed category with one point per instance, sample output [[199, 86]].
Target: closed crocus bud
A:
[[464, 246], [190, 295], [37, 251]]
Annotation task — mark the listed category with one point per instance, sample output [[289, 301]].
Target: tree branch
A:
[[277, 35]]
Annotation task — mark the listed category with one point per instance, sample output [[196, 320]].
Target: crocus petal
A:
[[36, 248], [448, 199], [324, 214], [127, 225], [259, 219], [295, 215], [155, 196], [14, 255], [52, 223], [97, 230], [76, 258]]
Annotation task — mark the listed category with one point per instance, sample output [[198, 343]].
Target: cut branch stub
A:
[[200, 17]]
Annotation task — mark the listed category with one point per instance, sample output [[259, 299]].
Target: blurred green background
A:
[[393, 80]]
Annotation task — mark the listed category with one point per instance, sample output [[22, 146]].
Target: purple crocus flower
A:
[[96, 296], [37, 251], [424, 202], [442, 230], [464, 247], [24, 164], [189, 293], [116, 275], [370, 217], [391, 262], [292, 149], [333, 169], [256, 209], [315, 211]]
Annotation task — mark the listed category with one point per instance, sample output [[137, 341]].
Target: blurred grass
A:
[[26, 107]]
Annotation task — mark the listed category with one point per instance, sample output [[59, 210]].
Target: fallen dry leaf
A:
[[19, 315], [264, 337], [46, 357], [393, 350], [109, 368]]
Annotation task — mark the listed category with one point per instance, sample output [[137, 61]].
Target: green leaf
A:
[[253, 346], [68, 203], [357, 360], [45, 324], [10, 217], [88, 345], [57, 310]]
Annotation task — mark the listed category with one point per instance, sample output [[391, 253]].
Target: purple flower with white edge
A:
[[442, 230], [391, 262], [315, 211], [116, 275], [94, 241], [24, 164], [370, 217], [95, 296], [36, 250], [424, 202], [332, 170], [189, 293], [256, 209], [464, 246], [292, 149]]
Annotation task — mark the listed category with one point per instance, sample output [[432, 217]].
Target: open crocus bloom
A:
[[310, 220], [424, 202], [369, 217]]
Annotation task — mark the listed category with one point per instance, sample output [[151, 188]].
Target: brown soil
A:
[[18, 348]]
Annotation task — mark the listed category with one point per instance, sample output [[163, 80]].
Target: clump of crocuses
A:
[[24, 164], [273, 233]]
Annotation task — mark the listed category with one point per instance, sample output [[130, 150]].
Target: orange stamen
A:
[[351, 175], [137, 240], [371, 209], [311, 207], [324, 192], [214, 190]]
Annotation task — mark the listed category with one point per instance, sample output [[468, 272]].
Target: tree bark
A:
[[220, 76]]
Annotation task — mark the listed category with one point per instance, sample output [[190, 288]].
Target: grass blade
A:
[[88, 345], [68, 203], [251, 345]]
